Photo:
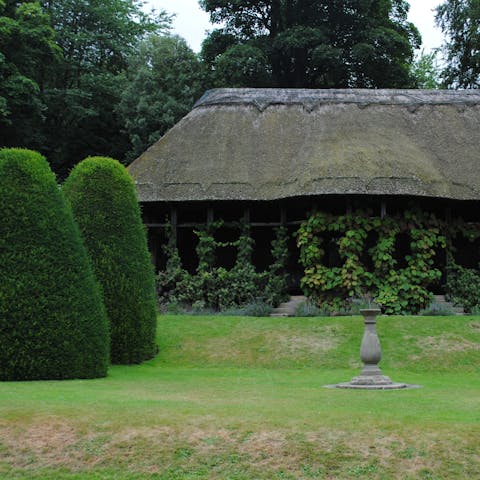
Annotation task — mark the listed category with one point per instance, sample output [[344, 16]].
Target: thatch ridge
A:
[[266, 144], [265, 97]]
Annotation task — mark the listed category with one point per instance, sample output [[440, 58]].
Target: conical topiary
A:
[[105, 206], [52, 320]]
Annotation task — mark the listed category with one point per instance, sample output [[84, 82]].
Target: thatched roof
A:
[[266, 144]]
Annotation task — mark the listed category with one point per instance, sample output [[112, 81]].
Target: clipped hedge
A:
[[104, 202], [52, 320]]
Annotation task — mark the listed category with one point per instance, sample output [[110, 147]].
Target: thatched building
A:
[[272, 155]]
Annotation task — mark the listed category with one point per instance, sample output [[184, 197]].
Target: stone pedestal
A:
[[371, 353]]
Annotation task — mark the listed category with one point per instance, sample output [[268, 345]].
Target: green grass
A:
[[243, 398]]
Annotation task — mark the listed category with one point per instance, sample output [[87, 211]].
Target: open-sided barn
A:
[[272, 156]]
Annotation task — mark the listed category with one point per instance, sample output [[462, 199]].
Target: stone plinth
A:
[[371, 377]]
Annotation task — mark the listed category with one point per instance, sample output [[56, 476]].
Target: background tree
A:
[[459, 20], [96, 38], [52, 320], [105, 206], [26, 47], [312, 43], [164, 79], [62, 71], [426, 71]]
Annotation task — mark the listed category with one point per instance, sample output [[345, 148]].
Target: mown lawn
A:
[[243, 398]]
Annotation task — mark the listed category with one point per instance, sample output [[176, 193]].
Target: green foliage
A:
[[218, 288], [463, 286], [164, 79], [105, 206], [81, 121], [98, 36], [398, 290], [242, 66], [62, 73], [276, 286], [96, 39], [426, 71], [322, 44], [167, 280], [26, 47], [459, 21], [52, 320]]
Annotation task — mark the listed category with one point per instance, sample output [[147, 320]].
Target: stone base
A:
[[372, 386], [374, 380]]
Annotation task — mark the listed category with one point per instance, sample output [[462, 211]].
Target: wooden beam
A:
[[383, 209], [153, 243], [246, 215], [348, 206], [210, 215], [227, 224], [174, 223], [448, 214]]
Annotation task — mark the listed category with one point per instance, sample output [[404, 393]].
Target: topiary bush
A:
[[104, 203], [52, 320]]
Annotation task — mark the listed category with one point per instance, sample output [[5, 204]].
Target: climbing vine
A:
[[213, 286], [392, 261], [276, 286], [373, 271]]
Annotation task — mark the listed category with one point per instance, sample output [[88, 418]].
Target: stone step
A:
[[442, 302], [298, 298], [286, 309]]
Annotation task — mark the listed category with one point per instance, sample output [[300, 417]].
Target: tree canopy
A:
[[164, 79], [96, 38], [426, 70], [62, 65], [27, 46], [311, 43], [459, 20]]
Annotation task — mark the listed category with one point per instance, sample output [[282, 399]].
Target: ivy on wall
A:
[[393, 261], [371, 270], [214, 286]]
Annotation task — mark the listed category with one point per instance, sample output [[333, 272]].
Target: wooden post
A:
[[383, 209], [174, 223], [349, 207], [210, 215], [153, 237], [283, 216], [448, 240], [246, 215]]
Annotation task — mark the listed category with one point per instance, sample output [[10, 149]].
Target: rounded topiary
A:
[[105, 206], [53, 323]]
